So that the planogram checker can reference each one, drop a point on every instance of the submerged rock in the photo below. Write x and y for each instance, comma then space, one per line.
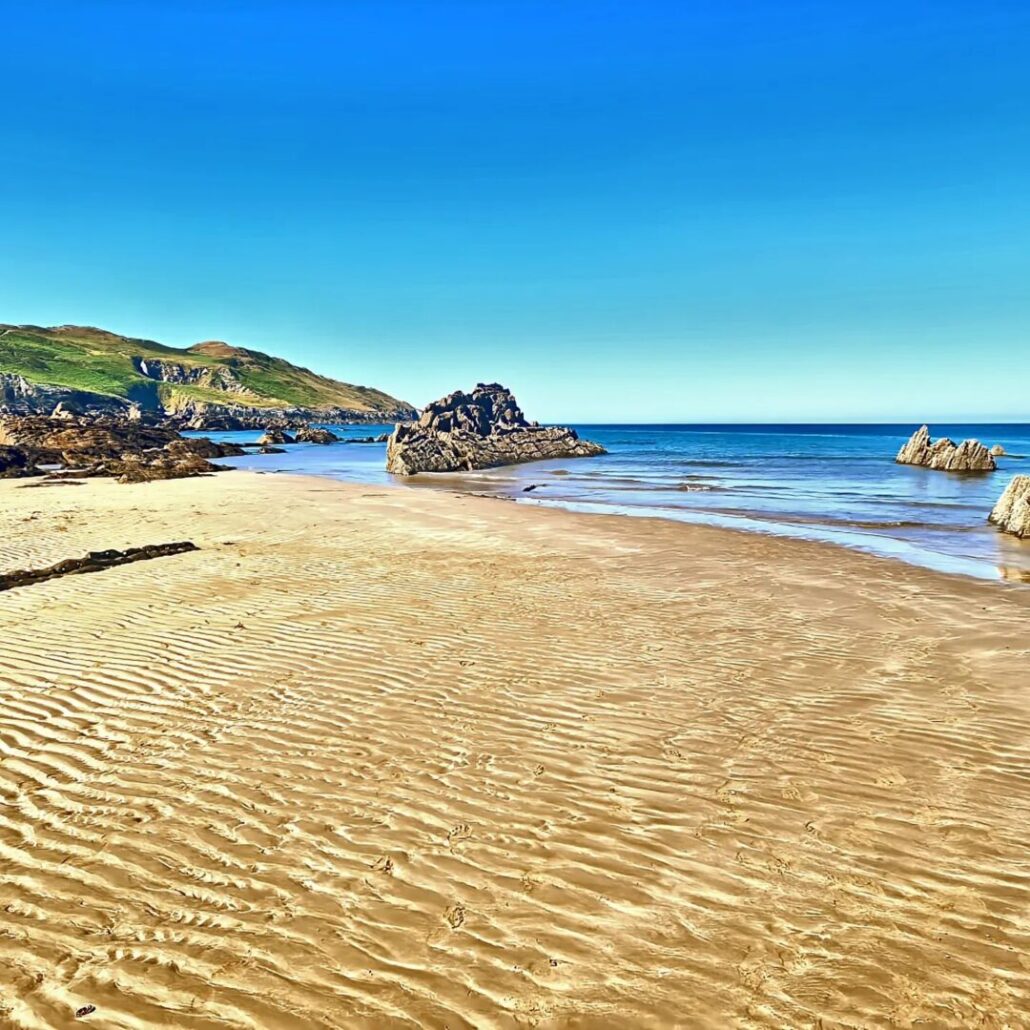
483, 429
1012, 512
944, 454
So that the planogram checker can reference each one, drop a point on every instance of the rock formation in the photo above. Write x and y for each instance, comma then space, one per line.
945, 455
273, 436
997, 451
480, 430
1012, 512
309, 434
103, 446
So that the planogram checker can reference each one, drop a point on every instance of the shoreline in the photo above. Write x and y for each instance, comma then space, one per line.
405, 756
880, 546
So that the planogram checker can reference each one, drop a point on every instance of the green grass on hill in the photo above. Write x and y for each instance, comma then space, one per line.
83, 358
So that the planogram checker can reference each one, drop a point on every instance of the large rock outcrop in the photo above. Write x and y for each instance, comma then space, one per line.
32, 445
478, 430
1012, 512
312, 434
945, 455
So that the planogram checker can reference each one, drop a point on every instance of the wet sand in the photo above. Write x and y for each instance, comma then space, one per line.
380, 757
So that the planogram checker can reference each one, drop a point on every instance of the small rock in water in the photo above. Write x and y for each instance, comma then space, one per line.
945, 455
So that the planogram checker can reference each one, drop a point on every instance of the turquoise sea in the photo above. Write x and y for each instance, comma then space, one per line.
835, 483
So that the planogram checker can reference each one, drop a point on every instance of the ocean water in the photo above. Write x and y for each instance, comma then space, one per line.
835, 483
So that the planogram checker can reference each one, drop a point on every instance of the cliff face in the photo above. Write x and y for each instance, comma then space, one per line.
944, 455
221, 377
209, 385
1012, 512
484, 429
19, 396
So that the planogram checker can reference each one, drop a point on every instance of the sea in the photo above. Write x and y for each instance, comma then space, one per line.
834, 483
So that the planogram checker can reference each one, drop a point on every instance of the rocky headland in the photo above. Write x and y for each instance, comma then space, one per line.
945, 455
1012, 512
209, 386
478, 430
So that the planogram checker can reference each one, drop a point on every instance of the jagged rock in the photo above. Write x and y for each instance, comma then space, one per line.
103, 446
480, 430
133, 469
1012, 512
944, 455
202, 447
309, 434
997, 451
274, 436
101, 437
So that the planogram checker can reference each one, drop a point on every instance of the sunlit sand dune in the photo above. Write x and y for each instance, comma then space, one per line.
400, 758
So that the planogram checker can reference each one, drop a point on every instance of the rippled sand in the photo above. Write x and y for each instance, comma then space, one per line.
398, 758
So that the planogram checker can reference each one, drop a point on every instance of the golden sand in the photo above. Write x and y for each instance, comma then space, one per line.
390, 757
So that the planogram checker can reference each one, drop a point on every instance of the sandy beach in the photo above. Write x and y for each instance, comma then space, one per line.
384, 757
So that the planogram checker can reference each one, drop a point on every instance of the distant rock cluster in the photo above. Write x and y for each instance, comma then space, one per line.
945, 455
1012, 512
478, 430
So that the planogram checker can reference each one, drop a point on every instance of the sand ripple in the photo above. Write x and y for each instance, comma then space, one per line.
406, 759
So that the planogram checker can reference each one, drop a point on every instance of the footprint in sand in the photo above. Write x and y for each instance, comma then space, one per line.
460, 832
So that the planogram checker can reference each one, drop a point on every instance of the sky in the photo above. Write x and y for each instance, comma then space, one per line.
631, 211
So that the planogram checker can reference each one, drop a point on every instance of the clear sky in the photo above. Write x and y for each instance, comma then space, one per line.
648, 211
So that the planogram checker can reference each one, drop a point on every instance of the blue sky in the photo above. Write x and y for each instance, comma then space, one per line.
625, 211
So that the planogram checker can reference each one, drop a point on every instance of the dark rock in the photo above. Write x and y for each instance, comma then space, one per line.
311, 434
202, 447
103, 446
381, 438
480, 430
95, 561
237, 417
272, 435
15, 463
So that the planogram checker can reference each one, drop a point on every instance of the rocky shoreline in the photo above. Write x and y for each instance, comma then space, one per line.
18, 397
76, 447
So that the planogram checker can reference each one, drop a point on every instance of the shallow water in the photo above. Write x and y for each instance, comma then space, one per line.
825, 482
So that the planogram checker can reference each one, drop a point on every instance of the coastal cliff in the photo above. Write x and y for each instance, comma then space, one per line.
210, 385
478, 430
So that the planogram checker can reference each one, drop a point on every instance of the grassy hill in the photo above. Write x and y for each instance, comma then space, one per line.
98, 362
